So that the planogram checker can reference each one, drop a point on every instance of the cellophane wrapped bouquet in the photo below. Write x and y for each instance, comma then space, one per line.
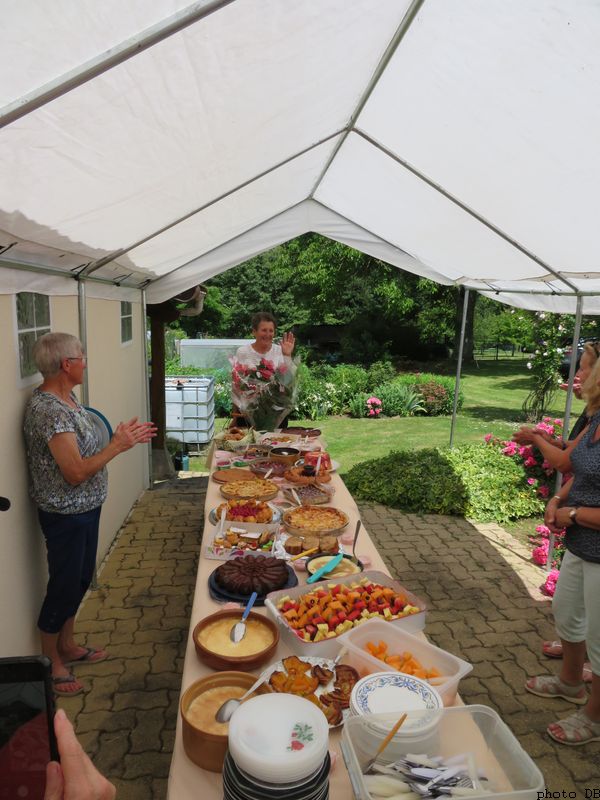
265, 394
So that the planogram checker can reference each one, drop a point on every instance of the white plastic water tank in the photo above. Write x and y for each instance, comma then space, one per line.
190, 409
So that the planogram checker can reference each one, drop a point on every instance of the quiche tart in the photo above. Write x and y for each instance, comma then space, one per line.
315, 519
252, 489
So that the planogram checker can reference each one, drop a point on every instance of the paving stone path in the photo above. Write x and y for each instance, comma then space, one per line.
478, 581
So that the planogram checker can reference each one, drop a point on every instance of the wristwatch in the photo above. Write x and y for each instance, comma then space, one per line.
573, 514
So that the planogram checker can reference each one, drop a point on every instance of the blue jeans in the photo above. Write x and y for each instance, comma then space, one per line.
71, 543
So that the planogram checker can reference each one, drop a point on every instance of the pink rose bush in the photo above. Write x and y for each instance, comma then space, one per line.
373, 407
538, 475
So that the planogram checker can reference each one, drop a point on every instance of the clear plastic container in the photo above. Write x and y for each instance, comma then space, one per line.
474, 730
399, 640
328, 648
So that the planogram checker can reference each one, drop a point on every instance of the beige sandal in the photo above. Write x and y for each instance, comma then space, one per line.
552, 686
578, 729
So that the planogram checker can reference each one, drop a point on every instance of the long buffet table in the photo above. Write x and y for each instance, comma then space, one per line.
188, 781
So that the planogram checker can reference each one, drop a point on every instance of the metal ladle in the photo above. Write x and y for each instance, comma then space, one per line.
225, 712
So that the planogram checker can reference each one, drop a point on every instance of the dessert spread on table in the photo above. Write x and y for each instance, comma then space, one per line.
258, 539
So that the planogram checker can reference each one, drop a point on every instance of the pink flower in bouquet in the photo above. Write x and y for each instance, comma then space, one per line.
546, 464
543, 530
510, 449
488, 437
265, 373
530, 462
558, 422
549, 585
374, 401
543, 491
371, 413
531, 481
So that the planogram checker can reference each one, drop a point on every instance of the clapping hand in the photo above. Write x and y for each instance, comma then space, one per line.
75, 778
288, 341
128, 434
527, 435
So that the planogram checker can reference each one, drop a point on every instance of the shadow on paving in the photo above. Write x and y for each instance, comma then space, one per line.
478, 581
141, 614
481, 591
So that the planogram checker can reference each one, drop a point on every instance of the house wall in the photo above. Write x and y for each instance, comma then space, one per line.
116, 387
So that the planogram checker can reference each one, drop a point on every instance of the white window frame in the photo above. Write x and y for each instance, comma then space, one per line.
36, 377
122, 316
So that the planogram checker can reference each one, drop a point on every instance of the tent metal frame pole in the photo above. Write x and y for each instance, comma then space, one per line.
464, 207
156, 281
85, 393
568, 404
23, 266
146, 377
108, 59
82, 317
101, 262
463, 326
402, 29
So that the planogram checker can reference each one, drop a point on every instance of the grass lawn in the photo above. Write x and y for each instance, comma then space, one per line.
494, 392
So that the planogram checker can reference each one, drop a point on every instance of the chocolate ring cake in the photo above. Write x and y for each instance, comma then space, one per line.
252, 574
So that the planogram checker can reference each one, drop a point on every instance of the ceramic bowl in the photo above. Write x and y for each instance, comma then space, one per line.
346, 567
244, 662
395, 692
285, 454
207, 750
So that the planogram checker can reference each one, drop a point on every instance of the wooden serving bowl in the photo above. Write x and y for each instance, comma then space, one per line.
285, 454
207, 750
251, 661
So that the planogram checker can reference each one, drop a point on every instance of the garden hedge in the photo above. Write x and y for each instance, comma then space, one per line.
472, 480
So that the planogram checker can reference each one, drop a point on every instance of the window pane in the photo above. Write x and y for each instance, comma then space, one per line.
125, 308
25, 317
42, 310
27, 364
126, 329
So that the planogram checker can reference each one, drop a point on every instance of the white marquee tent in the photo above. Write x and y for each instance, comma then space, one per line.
152, 143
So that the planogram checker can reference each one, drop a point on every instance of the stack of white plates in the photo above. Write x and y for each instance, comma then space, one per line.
395, 692
278, 748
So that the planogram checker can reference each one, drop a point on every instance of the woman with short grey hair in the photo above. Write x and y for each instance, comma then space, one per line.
68, 483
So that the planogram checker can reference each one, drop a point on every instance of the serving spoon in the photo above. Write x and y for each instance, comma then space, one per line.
238, 631
225, 712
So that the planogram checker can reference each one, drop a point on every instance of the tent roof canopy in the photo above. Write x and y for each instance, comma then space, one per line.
170, 142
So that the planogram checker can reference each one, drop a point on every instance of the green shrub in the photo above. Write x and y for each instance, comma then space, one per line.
381, 372
357, 407
348, 379
398, 400
416, 481
437, 406
472, 480
317, 397
435, 398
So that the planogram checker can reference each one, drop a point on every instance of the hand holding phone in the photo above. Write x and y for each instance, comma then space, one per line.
27, 741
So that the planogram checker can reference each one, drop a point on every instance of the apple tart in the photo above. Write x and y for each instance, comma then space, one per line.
316, 519
254, 489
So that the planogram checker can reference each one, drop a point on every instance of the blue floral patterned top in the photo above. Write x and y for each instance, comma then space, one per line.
45, 416
585, 491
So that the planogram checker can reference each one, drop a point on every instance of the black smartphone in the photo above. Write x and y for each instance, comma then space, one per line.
27, 740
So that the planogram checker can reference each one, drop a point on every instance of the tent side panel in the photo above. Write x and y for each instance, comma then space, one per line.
116, 388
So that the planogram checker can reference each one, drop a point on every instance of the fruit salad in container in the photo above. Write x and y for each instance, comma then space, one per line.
328, 611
